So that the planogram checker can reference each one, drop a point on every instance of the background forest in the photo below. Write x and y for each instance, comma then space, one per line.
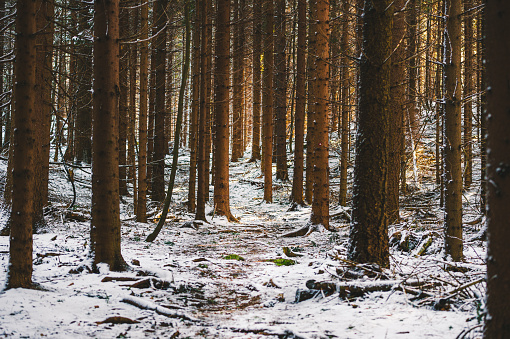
369, 128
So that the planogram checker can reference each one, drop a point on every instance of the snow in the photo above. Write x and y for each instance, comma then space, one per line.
251, 298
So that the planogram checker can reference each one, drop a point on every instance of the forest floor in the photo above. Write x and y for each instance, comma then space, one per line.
236, 280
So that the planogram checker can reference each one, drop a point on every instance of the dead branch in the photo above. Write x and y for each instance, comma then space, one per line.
147, 305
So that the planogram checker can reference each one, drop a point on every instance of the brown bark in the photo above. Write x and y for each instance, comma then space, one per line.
497, 320
311, 100
257, 52
160, 146
280, 92
267, 100
397, 93
320, 203
195, 106
133, 58
369, 225
123, 100
345, 92
44, 55
141, 210
238, 78
105, 224
20, 251
297, 180
221, 110
452, 133
467, 91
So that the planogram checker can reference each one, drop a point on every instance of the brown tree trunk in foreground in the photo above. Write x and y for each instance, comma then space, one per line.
20, 252
452, 133
105, 225
497, 320
468, 90
368, 239
320, 203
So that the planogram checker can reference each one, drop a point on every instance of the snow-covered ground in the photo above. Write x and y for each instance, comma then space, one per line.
190, 288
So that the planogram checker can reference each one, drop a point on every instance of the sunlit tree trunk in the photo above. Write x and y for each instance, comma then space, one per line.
345, 93
221, 110
467, 91
320, 203
105, 225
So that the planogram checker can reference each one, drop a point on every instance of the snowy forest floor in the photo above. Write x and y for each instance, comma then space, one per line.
193, 284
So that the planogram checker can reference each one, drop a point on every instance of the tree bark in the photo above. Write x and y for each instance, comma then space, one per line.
105, 225
20, 251
497, 320
257, 46
368, 239
221, 110
452, 133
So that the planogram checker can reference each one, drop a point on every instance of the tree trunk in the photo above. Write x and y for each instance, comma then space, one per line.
369, 226
497, 320
397, 93
238, 75
20, 251
452, 133
345, 92
257, 46
44, 47
105, 225
297, 180
320, 203
141, 210
280, 92
267, 101
160, 146
123, 101
221, 110
468, 90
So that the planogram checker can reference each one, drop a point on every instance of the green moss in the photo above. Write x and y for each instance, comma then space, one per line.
282, 262
233, 257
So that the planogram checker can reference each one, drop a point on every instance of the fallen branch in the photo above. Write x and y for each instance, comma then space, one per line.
147, 305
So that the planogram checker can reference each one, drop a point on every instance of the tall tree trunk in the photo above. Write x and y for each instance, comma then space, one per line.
497, 320
320, 203
257, 52
178, 125
483, 119
280, 92
20, 251
345, 92
44, 47
133, 62
105, 225
238, 77
267, 101
368, 239
221, 110
297, 180
452, 133
83, 122
195, 106
397, 93
160, 145
468, 90
124, 98
311, 99
141, 210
